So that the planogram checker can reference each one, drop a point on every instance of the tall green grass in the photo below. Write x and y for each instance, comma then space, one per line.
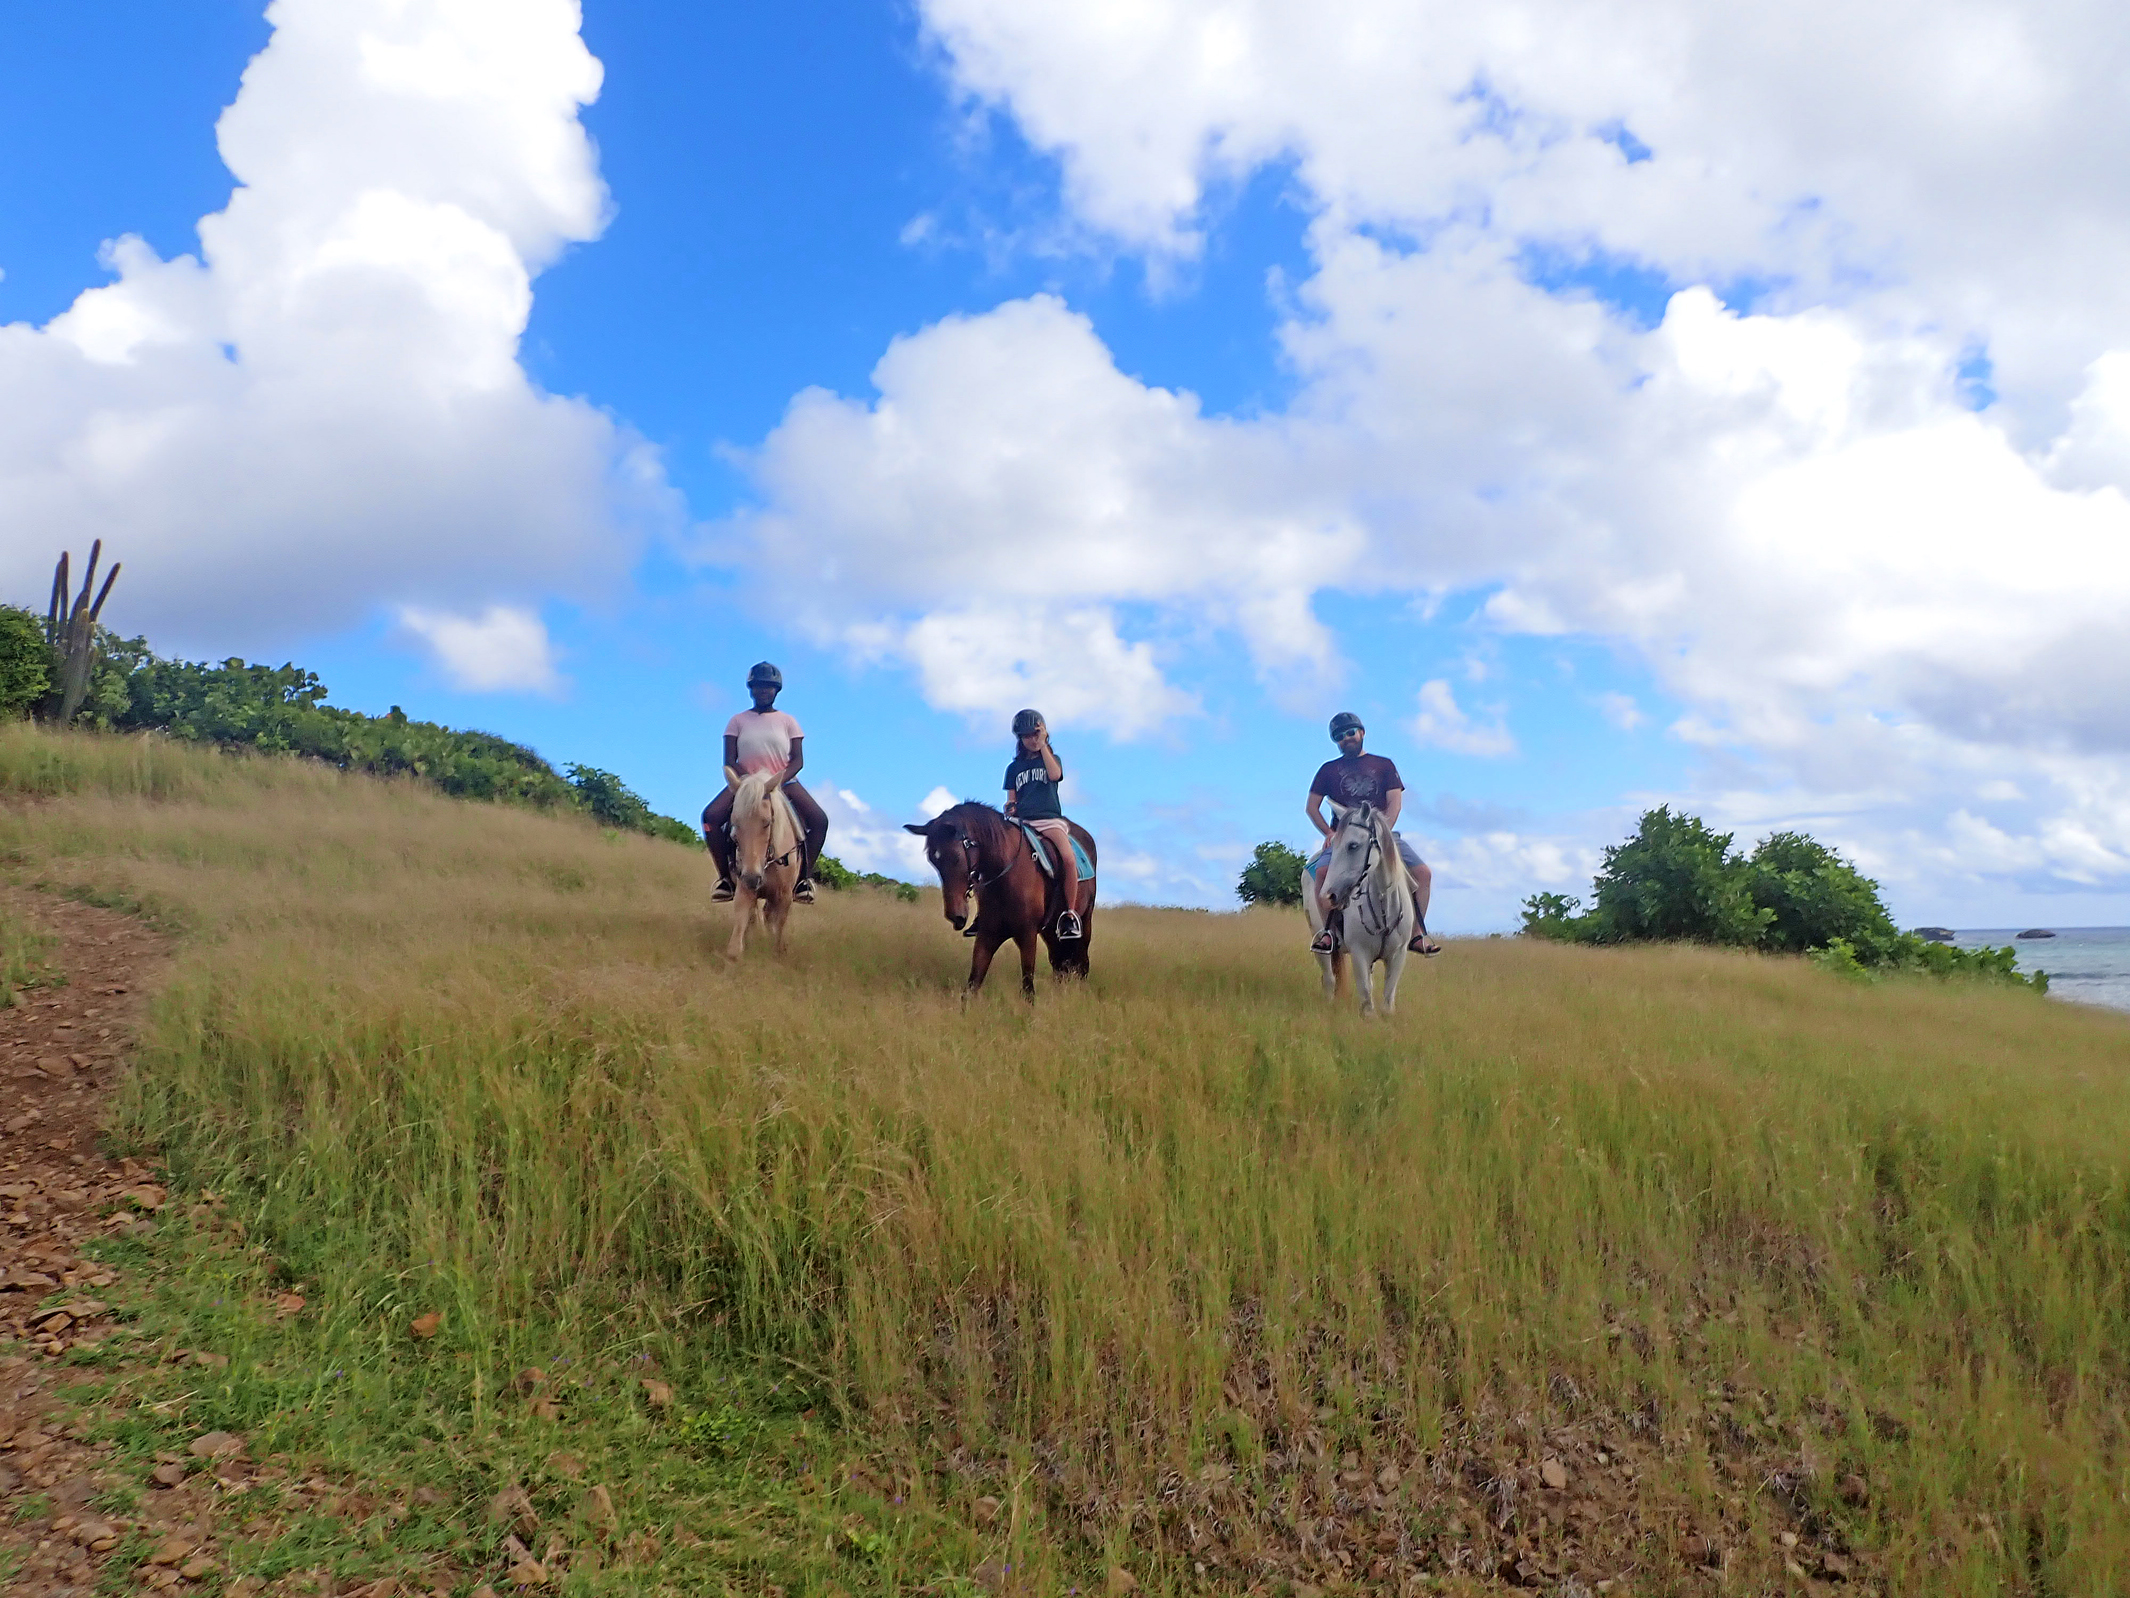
24, 957
480, 1060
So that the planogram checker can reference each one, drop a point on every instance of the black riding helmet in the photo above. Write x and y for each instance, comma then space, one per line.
765, 672
1026, 722
1344, 722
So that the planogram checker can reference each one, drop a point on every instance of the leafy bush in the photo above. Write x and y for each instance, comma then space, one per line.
1553, 915
281, 710
25, 662
1816, 898
830, 872
1273, 876
1676, 880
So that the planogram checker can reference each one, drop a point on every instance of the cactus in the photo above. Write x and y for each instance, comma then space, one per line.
72, 631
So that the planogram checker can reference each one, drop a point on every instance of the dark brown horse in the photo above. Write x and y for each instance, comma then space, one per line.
980, 853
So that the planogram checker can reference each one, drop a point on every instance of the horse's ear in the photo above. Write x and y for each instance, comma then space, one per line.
732, 778
1339, 813
911, 826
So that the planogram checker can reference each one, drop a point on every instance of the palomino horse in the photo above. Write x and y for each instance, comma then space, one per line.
765, 855
1367, 880
979, 852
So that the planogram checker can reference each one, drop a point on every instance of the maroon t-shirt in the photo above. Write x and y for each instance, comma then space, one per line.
1360, 779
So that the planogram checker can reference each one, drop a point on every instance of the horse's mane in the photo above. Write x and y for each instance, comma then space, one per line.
753, 791
983, 822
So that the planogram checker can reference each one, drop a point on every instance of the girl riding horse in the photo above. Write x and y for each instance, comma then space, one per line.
983, 855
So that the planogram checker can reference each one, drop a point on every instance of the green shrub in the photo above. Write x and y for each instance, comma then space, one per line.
1676, 880
1554, 916
830, 872
1273, 876
833, 873
281, 709
1816, 898
25, 662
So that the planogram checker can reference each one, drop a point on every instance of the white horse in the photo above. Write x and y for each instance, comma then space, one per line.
1366, 879
765, 855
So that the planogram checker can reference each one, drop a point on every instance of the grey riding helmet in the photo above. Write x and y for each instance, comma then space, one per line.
1344, 722
1026, 722
765, 672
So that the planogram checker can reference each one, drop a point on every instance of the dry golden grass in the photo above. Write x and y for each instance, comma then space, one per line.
1727, 1212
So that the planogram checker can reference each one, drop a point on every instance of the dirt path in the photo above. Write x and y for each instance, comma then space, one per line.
62, 1049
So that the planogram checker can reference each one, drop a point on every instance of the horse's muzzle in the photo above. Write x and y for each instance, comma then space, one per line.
957, 922
753, 879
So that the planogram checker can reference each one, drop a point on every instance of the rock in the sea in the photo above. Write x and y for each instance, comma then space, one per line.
1935, 934
2037, 932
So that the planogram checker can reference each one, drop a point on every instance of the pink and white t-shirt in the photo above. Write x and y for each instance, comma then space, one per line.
765, 739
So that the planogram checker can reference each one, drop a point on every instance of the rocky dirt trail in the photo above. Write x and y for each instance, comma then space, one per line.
62, 1048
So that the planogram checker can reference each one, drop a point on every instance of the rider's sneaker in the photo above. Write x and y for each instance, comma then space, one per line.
969, 931
1324, 943
804, 892
722, 893
1068, 925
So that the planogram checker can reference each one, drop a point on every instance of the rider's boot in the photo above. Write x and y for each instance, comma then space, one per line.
722, 893
1068, 926
804, 892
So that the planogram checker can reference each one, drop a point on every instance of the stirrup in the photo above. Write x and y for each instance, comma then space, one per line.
804, 892
969, 931
1324, 943
722, 893
1068, 926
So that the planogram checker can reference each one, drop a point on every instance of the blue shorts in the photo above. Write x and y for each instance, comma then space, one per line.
1406, 852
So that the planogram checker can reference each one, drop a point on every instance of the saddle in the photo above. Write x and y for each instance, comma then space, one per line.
1039, 846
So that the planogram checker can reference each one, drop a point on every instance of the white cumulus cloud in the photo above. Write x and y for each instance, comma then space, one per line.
322, 411
502, 648
1441, 721
1873, 599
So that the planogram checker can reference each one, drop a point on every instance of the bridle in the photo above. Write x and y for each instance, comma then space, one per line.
1362, 895
798, 841
972, 860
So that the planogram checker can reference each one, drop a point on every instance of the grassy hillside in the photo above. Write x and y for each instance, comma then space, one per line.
1591, 1264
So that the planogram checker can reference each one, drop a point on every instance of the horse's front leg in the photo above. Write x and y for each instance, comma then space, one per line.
1027, 943
779, 915
743, 903
980, 960
1393, 962
1364, 970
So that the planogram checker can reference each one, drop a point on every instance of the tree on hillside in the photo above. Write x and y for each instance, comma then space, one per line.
25, 663
1273, 876
1675, 880
1813, 896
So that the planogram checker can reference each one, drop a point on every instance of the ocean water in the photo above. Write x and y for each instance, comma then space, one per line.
2087, 965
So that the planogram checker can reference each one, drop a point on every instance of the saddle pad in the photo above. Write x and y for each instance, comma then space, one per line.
1042, 855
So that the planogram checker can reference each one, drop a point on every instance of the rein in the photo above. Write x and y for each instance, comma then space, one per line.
1376, 923
974, 851
798, 840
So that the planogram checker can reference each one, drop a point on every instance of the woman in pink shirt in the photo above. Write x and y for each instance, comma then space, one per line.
765, 739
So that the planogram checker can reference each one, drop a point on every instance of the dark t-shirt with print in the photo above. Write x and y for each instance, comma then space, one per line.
1359, 779
1035, 796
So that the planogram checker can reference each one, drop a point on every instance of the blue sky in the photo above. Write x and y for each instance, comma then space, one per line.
1507, 450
